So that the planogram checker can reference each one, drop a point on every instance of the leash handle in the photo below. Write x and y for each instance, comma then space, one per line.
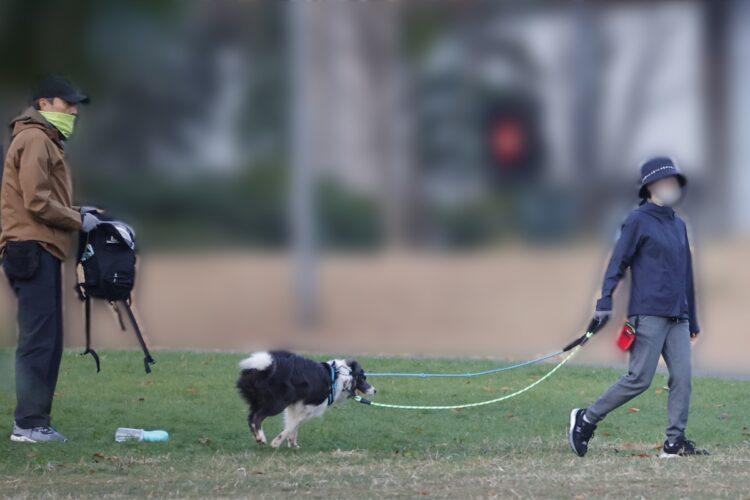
579, 341
594, 326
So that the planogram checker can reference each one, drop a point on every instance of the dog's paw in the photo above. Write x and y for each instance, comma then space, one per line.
278, 441
260, 438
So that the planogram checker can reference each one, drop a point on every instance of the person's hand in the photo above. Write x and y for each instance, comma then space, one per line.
88, 209
89, 222
600, 319
694, 337
602, 315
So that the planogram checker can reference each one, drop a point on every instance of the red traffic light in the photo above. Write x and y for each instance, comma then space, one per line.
508, 143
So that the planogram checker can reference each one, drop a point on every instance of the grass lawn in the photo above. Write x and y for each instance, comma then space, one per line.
517, 448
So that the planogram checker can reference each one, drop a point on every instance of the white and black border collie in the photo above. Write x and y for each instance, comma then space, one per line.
276, 381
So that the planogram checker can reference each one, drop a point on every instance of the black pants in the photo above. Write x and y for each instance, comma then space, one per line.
35, 277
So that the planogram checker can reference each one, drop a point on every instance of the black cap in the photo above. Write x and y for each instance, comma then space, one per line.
57, 86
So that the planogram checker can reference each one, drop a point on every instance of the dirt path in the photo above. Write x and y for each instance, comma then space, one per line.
512, 303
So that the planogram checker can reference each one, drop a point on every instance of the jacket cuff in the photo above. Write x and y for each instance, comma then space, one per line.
604, 304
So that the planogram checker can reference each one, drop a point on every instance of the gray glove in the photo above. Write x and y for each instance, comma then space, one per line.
89, 222
602, 315
599, 320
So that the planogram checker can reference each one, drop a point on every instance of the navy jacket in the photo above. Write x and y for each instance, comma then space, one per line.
654, 244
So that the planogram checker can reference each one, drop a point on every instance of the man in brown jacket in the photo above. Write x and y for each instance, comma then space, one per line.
39, 222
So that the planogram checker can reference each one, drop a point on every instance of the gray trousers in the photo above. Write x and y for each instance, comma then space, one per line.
656, 336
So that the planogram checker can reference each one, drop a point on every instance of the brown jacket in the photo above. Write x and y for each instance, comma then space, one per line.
37, 191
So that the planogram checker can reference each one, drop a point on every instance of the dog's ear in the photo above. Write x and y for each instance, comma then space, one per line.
354, 366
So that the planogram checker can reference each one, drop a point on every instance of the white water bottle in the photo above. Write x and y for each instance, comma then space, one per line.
124, 434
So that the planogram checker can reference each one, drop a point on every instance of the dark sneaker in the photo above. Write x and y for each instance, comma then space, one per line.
579, 432
36, 435
682, 448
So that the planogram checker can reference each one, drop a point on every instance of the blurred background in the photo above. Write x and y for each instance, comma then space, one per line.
412, 178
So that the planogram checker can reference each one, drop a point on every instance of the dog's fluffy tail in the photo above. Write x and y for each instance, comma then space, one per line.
260, 361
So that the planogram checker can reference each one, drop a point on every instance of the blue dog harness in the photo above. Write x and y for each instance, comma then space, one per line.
334, 376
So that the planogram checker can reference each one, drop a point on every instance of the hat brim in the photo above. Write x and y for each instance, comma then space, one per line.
76, 98
643, 191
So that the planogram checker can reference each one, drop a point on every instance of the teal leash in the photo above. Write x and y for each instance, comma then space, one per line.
467, 374
593, 327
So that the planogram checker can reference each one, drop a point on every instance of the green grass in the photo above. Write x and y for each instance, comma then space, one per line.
516, 448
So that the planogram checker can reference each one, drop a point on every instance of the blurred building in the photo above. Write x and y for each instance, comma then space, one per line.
536, 115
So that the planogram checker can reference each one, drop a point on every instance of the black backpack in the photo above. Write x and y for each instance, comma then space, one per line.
107, 257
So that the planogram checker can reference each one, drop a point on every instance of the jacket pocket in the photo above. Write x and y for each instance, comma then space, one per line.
21, 259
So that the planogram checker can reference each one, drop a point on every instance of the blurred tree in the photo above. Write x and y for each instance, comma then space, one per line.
48, 36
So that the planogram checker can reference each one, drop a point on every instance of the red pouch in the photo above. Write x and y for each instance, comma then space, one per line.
627, 337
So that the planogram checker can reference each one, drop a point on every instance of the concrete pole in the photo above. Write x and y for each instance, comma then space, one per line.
584, 87
721, 19
302, 187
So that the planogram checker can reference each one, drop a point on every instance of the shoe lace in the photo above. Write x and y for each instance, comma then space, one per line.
681, 446
587, 431
45, 430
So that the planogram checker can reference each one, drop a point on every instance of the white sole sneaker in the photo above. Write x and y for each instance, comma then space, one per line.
21, 439
571, 426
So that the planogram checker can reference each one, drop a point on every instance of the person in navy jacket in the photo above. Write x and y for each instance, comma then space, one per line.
654, 245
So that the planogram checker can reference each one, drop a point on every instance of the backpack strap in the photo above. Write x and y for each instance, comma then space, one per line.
80, 291
147, 359
89, 350
119, 315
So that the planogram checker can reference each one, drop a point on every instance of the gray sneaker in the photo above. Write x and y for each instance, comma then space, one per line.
36, 435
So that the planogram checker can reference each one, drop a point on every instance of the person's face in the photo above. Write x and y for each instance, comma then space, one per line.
666, 183
665, 191
58, 105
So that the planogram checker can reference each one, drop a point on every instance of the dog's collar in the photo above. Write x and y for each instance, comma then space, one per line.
334, 376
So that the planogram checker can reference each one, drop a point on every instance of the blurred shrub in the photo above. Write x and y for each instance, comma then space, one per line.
209, 210
471, 224
246, 209
547, 214
534, 213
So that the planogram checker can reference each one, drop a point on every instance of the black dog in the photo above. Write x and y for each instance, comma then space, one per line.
276, 381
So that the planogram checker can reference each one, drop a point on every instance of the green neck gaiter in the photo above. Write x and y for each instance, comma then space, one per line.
63, 122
